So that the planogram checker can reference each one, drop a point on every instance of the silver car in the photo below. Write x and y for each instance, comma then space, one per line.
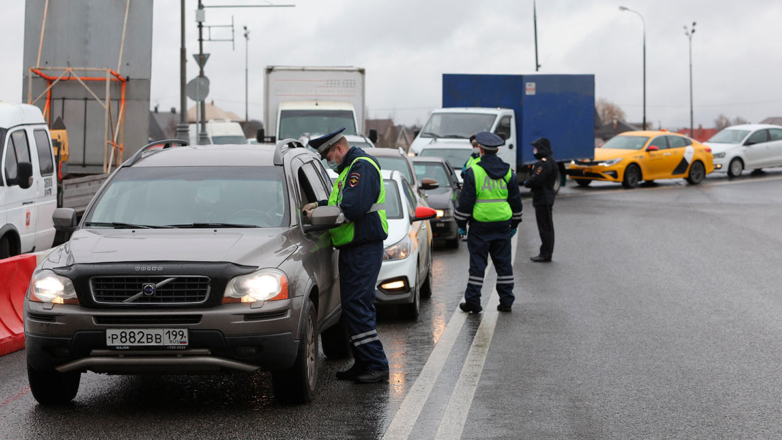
192, 259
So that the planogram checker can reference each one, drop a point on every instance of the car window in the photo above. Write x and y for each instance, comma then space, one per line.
306, 191
318, 185
324, 175
21, 147
457, 157
15, 152
44, 151
775, 134
758, 137
677, 141
396, 164
503, 128
160, 196
659, 142
687, 141
432, 170
411, 200
625, 143
393, 200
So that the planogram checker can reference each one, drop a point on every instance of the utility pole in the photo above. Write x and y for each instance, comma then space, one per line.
535, 24
246, 74
182, 130
622, 8
688, 33
202, 136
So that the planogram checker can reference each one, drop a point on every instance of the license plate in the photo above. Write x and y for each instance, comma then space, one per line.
439, 225
146, 337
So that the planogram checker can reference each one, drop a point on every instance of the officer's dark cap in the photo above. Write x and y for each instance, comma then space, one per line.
541, 143
323, 143
489, 141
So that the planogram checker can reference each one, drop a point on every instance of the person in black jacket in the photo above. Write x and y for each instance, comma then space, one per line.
544, 176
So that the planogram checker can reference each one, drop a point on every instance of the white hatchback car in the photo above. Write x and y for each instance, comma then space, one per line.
406, 274
749, 146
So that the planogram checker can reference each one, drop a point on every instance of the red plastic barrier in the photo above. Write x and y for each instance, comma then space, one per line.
15, 276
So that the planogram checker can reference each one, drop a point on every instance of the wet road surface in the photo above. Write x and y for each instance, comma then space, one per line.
659, 318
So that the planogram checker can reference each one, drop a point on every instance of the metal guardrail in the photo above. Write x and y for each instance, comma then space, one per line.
77, 193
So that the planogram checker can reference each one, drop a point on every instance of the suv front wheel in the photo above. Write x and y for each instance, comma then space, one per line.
298, 384
53, 388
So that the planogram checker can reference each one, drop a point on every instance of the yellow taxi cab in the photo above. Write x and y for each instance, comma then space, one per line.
634, 156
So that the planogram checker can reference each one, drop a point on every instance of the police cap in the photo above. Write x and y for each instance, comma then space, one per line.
489, 141
323, 143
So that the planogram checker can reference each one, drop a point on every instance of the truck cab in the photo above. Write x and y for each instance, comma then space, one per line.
456, 125
28, 183
310, 118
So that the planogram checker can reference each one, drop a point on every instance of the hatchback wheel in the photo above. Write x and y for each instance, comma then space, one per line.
411, 311
298, 384
697, 173
632, 176
426, 288
736, 167
53, 388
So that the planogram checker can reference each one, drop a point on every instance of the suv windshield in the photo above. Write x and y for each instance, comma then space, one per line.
457, 157
294, 123
729, 136
193, 197
457, 125
626, 143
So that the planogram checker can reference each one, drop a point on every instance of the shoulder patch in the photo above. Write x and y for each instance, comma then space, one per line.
354, 178
539, 170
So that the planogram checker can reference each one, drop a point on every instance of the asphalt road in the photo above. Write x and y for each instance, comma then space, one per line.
659, 318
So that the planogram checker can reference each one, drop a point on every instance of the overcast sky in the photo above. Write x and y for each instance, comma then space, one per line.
407, 45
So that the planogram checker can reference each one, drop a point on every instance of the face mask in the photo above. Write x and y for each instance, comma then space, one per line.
333, 165
476, 151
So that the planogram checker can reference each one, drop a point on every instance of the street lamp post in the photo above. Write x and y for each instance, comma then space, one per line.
246, 74
688, 32
622, 8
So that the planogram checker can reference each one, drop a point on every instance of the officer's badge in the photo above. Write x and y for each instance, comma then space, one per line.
354, 178
339, 185
539, 170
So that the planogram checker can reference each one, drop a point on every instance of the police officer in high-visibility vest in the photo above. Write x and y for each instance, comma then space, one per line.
475, 157
360, 193
491, 202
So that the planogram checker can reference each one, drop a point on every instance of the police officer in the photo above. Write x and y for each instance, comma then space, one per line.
491, 202
475, 157
360, 193
544, 176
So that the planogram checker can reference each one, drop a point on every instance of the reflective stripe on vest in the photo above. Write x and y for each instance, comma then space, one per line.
343, 234
491, 204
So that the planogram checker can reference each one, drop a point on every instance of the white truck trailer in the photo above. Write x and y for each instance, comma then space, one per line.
309, 101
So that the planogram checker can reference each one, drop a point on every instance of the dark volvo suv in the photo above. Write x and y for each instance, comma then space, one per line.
192, 259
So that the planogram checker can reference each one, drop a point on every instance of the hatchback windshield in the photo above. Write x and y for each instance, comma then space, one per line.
193, 197
457, 125
729, 137
294, 123
434, 171
457, 157
396, 164
626, 143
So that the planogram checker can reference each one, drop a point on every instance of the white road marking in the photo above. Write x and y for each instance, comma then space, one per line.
452, 423
407, 415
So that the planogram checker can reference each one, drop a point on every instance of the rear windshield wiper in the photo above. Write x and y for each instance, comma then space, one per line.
212, 225
120, 225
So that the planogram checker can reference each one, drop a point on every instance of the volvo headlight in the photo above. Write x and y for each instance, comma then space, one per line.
399, 250
262, 285
47, 286
611, 162
719, 155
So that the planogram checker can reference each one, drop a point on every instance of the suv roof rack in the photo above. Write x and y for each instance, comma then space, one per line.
168, 143
285, 144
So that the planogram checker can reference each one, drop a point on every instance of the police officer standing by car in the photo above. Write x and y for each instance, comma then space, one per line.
491, 202
360, 193
544, 176
475, 156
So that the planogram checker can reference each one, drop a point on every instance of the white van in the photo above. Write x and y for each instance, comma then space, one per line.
220, 132
28, 183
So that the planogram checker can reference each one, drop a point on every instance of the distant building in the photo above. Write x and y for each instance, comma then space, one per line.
701, 134
212, 112
163, 125
613, 128
390, 135
774, 120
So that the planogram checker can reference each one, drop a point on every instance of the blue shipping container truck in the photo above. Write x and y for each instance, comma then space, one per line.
558, 107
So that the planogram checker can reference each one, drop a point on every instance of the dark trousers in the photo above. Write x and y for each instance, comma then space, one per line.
544, 216
359, 267
482, 242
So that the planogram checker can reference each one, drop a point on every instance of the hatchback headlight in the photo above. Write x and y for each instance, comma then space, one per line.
611, 162
719, 155
399, 250
47, 286
262, 285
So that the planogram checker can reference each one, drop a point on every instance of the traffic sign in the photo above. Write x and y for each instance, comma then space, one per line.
198, 88
199, 58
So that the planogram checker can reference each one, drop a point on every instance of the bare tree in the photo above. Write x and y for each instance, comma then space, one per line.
738, 120
608, 111
722, 122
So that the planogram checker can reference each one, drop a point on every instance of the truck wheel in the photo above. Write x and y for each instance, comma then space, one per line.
298, 385
697, 173
583, 183
411, 311
336, 341
5, 247
632, 176
53, 388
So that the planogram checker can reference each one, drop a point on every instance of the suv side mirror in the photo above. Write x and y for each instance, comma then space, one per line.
325, 217
427, 183
24, 174
373, 135
424, 213
64, 219
259, 135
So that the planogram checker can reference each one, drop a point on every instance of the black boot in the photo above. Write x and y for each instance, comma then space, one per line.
352, 372
469, 308
504, 308
540, 259
372, 376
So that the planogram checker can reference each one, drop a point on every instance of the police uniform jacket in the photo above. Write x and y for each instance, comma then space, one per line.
360, 191
495, 169
544, 175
